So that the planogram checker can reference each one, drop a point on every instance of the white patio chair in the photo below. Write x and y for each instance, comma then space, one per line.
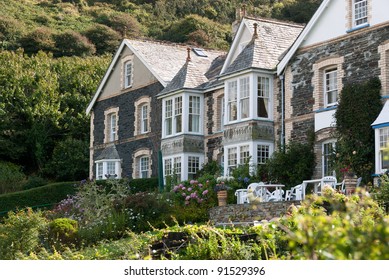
275, 195
254, 193
341, 187
327, 180
295, 193
241, 196
359, 180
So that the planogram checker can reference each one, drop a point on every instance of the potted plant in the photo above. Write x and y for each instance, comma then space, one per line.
350, 179
221, 192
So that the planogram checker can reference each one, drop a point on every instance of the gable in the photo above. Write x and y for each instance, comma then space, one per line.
142, 76
333, 19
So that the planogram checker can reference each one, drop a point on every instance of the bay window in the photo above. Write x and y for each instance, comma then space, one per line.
328, 149
106, 169
193, 166
263, 153
232, 100
182, 114
244, 97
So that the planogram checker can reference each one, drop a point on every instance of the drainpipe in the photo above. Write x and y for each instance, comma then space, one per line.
282, 140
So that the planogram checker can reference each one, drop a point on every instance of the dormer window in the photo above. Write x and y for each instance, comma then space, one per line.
360, 10
128, 74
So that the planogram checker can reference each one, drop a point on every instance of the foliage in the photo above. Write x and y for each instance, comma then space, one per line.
34, 182
212, 244
40, 197
289, 167
20, 232
69, 161
194, 192
381, 193
71, 43
359, 105
105, 39
39, 39
42, 100
62, 232
11, 177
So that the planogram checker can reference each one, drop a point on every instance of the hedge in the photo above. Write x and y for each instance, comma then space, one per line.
41, 197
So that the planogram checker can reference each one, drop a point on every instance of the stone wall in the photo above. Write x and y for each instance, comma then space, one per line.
249, 212
128, 142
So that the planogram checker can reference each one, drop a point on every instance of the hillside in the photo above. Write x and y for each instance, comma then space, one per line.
88, 27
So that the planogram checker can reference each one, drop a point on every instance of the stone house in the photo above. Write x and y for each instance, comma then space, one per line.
278, 81
345, 42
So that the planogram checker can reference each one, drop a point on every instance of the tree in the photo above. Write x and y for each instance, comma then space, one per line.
71, 43
104, 38
359, 105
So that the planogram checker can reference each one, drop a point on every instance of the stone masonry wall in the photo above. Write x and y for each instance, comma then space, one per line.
127, 142
250, 212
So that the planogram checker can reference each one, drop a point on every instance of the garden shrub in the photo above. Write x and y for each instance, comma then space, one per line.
34, 182
71, 43
11, 177
63, 232
359, 105
104, 38
41, 197
21, 232
291, 166
40, 39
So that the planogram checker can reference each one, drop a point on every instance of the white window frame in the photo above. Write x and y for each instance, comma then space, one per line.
264, 94
144, 167
144, 120
383, 146
111, 125
263, 156
242, 152
244, 96
104, 166
180, 165
330, 83
193, 166
179, 110
326, 156
128, 73
360, 11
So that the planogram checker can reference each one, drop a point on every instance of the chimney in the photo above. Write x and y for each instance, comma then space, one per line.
188, 56
255, 35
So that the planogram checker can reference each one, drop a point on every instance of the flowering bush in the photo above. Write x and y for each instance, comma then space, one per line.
195, 192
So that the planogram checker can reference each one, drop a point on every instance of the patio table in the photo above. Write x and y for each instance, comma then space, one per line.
266, 188
315, 183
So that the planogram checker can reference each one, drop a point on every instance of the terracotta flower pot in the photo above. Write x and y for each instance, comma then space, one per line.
350, 181
222, 198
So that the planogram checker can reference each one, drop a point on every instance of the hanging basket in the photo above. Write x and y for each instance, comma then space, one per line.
222, 198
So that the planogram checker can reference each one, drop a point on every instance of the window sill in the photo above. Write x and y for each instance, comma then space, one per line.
358, 27
326, 109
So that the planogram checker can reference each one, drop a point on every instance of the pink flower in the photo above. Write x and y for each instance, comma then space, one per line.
205, 192
192, 182
187, 198
189, 189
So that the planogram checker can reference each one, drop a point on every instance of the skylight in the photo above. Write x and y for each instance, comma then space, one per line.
199, 52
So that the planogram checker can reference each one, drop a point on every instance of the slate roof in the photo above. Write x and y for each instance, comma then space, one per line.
109, 152
167, 60
264, 51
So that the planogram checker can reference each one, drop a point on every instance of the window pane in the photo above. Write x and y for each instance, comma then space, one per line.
232, 100
263, 97
232, 158
128, 74
144, 119
99, 174
194, 114
331, 87
111, 168
112, 126
193, 166
168, 117
360, 12
168, 167
244, 154
144, 167
244, 98
328, 150
178, 113
177, 167
263, 153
